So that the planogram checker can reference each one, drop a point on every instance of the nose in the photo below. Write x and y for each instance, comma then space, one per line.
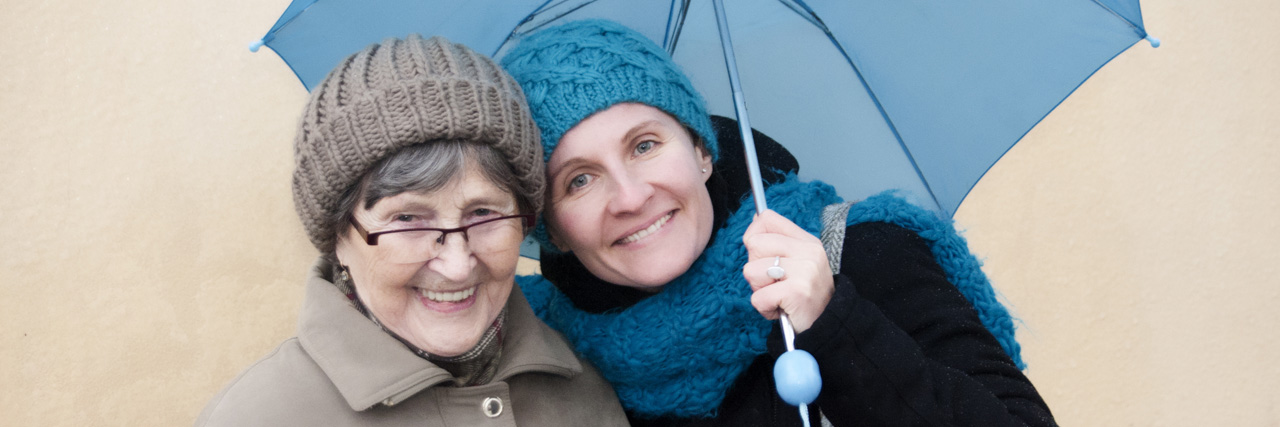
455, 260
632, 191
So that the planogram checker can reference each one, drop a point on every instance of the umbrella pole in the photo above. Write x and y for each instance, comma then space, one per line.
796, 373
740, 109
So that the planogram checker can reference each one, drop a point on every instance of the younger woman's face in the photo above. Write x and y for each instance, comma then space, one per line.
628, 196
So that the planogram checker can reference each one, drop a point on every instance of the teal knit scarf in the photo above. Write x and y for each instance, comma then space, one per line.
678, 352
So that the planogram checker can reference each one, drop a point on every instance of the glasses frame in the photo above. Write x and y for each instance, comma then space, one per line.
372, 238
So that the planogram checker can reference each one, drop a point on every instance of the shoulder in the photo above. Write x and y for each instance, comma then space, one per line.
887, 228
895, 268
283, 388
881, 242
882, 232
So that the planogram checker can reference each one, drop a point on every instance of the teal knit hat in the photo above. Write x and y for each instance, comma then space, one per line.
572, 71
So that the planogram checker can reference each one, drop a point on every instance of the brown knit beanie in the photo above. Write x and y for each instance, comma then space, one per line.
400, 93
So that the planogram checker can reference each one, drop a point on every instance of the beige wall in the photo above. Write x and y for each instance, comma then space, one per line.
149, 250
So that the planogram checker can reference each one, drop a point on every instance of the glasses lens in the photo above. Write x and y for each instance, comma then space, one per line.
409, 247
495, 236
417, 246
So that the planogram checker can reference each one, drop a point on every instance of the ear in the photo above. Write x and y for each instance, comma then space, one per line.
705, 163
341, 249
342, 246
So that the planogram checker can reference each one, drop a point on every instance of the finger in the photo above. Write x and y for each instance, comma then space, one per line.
767, 302
757, 273
769, 245
786, 297
810, 255
755, 226
797, 272
774, 222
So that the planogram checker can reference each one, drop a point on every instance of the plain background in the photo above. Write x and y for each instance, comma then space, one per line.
149, 250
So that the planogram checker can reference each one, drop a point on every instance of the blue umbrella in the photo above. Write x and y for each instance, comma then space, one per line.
920, 96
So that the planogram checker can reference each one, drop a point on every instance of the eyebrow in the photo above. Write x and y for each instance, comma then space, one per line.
388, 205
641, 128
637, 130
496, 197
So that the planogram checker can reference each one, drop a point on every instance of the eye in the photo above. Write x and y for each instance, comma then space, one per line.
579, 181
406, 220
644, 147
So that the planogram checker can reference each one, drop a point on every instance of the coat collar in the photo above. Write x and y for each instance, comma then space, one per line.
368, 366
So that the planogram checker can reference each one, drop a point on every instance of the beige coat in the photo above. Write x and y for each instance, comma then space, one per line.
342, 370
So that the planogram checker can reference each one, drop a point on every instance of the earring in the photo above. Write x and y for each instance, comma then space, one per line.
704, 170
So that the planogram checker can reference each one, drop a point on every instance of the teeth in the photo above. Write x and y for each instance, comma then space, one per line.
448, 296
647, 231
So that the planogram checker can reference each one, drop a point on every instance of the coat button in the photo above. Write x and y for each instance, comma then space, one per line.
492, 407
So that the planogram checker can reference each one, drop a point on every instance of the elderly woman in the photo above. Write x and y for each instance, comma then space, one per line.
666, 278
416, 177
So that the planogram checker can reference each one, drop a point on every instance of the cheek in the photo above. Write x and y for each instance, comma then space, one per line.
571, 224
502, 264
377, 283
382, 285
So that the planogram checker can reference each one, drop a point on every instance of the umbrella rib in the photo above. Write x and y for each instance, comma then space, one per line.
1142, 32
271, 34
806, 15
876, 100
672, 36
517, 30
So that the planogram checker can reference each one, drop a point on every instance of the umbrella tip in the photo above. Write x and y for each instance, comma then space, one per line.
257, 44
1155, 42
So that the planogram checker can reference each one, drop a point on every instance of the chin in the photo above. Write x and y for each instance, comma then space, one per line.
445, 337
649, 285
650, 279
451, 349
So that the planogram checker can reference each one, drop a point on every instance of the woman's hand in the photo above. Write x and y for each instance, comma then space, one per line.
805, 289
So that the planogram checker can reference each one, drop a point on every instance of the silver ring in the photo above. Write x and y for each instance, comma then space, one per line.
776, 272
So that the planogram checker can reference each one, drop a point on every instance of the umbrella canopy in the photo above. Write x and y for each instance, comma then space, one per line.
921, 96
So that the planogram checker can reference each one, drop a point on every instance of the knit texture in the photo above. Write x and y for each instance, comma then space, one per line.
678, 352
572, 71
952, 253
400, 93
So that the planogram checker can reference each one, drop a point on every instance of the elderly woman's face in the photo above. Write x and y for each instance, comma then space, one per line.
444, 304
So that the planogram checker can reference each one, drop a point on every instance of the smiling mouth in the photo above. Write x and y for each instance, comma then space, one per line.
648, 230
447, 296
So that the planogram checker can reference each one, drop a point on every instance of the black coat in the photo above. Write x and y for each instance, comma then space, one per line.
898, 345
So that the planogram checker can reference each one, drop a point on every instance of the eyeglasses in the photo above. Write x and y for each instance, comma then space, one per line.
416, 245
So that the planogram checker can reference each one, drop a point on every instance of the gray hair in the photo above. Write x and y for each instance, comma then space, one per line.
425, 168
